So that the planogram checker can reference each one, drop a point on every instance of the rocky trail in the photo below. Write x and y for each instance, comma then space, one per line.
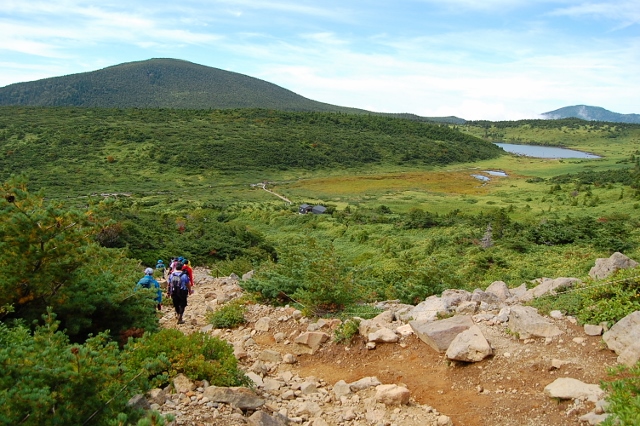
302, 377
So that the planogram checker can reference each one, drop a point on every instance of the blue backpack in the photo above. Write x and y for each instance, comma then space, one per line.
178, 281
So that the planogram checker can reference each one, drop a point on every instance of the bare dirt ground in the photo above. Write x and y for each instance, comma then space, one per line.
505, 389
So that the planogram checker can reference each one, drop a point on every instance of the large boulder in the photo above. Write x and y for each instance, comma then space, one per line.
526, 321
469, 346
608, 266
242, 398
392, 395
499, 289
568, 388
425, 311
439, 334
309, 342
624, 338
549, 286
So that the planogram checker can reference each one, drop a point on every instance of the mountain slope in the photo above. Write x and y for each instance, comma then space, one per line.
96, 149
168, 83
591, 113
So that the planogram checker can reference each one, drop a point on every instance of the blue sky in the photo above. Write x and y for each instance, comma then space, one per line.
475, 59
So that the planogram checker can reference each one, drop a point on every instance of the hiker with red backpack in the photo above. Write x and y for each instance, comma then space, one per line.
179, 288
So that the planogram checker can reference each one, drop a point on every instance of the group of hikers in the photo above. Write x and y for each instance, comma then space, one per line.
179, 277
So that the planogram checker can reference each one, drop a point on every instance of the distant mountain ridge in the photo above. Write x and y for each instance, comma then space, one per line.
169, 83
591, 113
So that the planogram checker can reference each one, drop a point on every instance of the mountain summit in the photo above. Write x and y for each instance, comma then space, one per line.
159, 83
591, 113
174, 84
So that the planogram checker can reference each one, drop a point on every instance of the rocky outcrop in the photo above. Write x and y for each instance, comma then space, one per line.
439, 334
606, 267
469, 346
526, 322
568, 388
624, 339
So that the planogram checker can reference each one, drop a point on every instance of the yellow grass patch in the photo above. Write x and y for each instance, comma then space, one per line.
445, 182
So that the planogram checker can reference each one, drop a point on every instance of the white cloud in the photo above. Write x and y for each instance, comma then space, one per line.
625, 11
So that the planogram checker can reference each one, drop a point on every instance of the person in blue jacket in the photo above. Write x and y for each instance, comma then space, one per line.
160, 267
148, 281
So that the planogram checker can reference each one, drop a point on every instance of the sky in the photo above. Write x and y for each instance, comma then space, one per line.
474, 59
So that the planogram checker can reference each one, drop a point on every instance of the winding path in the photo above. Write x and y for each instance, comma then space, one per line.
264, 186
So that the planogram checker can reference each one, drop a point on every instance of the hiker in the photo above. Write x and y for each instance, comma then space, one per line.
160, 267
187, 268
179, 287
147, 281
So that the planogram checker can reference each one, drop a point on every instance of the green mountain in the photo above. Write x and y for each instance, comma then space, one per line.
591, 113
168, 83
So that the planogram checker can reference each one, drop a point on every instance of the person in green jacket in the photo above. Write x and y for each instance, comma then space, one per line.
148, 282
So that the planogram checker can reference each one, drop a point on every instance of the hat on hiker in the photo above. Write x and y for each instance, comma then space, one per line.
160, 261
148, 271
181, 259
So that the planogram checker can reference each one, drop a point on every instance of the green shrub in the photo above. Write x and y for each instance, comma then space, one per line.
345, 332
46, 380
228, 316
50, 260
197, 356
623, 396
310, 273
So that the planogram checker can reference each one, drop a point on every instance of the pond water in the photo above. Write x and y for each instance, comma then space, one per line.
495, 173
544, 151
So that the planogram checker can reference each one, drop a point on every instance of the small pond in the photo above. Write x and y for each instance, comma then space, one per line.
544, 151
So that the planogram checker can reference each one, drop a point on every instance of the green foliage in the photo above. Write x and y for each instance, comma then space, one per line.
623, 396
66, 148
198, 356
345, 331
311, 273
593, 303
48, 381
230, 315
50, 260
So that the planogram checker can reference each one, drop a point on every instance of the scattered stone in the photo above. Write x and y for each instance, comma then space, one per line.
263, 324
289, 359
364, 383
157, 396
270, 356
568, 388
606, 267
341, 388
469, 346
260, 418
593, 418
526, 321
139, 401
499, 289
556, 315
426, 311
310, 341
241, 398
392, 394
383, 335
182, 384
439, 334
623, 337
592, 330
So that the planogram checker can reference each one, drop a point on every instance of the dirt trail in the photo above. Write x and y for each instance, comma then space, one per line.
505, 389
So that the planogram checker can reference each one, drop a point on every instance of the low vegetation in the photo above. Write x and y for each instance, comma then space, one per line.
405, 220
